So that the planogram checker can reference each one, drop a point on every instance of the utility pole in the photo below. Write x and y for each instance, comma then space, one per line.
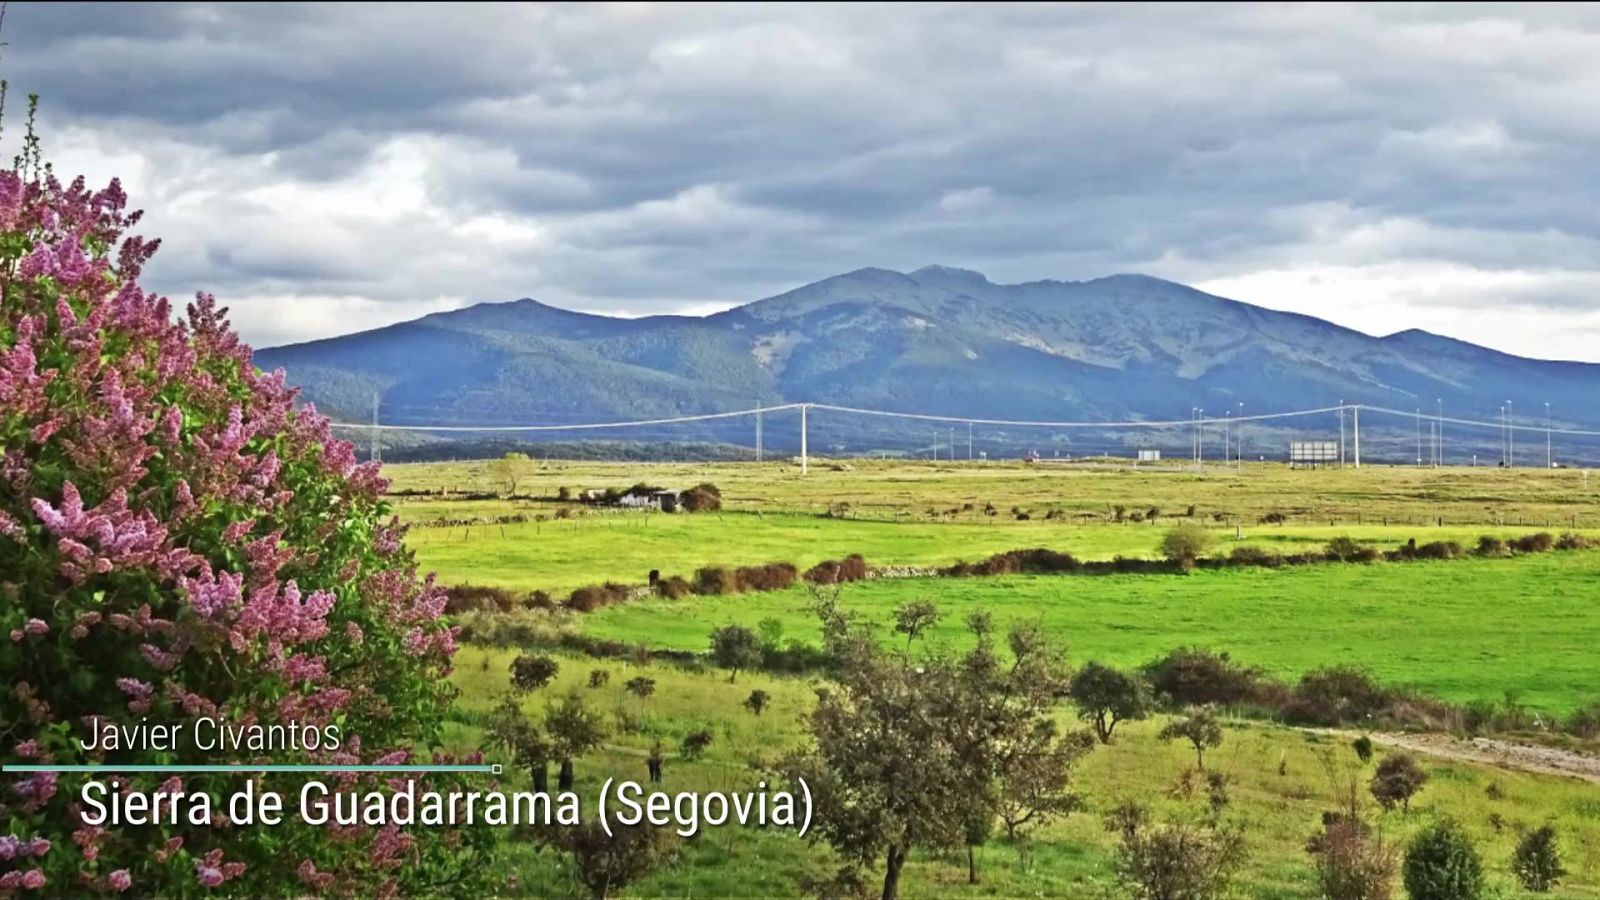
1419, 437
1549, 462
969, 442
1227, 435
758, 436
376, 453
1355, 422
1511, 439
1200, 439
1341, 434
1439, 437
1240, 448
804, 462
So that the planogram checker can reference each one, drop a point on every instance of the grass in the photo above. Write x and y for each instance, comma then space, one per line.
1459, 495
1462, 629
560, 556
1280, 782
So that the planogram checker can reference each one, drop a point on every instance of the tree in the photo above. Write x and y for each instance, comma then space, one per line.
179, 537
1537, 860
1035, 784
529, 673
1442, 864
1176, 861
1184, 544
1397, 780
757, 701
606, 863
1106, 696
574, 730
1200, 728
905, 751
975, 831
509, 471
913, 618
735, 647
641, 686
511, 731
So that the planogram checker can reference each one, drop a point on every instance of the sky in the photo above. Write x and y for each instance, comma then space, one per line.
327, 169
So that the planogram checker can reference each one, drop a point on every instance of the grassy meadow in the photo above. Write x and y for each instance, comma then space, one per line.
1463, 630
1281, 780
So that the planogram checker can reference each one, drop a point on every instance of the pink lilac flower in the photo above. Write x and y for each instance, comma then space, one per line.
120, 880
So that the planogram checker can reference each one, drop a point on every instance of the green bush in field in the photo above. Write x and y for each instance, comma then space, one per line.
1185, 544
1537, 860
1397, 780
1442, 864
1107, 696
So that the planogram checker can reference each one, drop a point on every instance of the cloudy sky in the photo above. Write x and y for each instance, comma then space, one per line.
329, 169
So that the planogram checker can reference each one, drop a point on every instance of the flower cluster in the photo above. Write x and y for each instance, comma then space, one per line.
179, 537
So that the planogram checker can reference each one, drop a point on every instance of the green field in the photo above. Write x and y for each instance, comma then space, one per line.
1462, 629
1471, 629
1068, 858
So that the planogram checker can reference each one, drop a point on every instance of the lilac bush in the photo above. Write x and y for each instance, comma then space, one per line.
177, 539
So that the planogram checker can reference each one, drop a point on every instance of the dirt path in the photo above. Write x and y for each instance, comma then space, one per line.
1488, 751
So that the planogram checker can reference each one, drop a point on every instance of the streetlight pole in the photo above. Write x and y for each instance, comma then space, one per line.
1419, 438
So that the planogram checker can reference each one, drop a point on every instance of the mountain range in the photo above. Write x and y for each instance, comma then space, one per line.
937, 340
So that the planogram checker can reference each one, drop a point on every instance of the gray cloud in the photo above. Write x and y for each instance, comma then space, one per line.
337, 167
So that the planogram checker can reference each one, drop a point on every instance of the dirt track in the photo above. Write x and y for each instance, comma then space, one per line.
1505, 754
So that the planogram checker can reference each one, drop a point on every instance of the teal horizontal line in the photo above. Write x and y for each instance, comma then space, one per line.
231, 767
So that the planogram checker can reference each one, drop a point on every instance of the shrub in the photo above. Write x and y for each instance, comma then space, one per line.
1334, 696
1038, 561
695, 744
1585, 721
1397, 780
1489, 545
472, 598
715, 580
1363, 747
1431, 550
598, 596
641, 686
1250, 555
1175, 860
1191, 676
1345, 549
838, 571
599, 678
702, 497
1573, 541
1442, 864
605, 863
178, 538
1351, 862
1186, 543
757, 701
1537, 860
1543, 542
675, 587
529, 673
770, 577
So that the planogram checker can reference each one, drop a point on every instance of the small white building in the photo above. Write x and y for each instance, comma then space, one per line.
1149, 456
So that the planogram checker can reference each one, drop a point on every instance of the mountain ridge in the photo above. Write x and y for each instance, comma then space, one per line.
937, 339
